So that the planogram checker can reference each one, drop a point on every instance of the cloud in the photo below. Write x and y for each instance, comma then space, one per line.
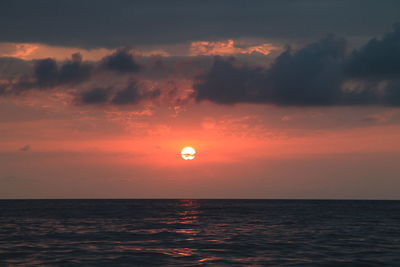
121, 61
95, 96
229, 82
392, 90
74, 71
11, 68
320, 74
21, 50
31, 51
379, 58
48, 74
228, 48
310, 76
133, 95
129, 95
97, 23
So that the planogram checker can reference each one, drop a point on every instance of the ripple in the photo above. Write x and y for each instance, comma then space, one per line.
199, 232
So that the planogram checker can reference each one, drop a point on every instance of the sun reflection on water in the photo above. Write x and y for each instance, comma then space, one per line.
187, 215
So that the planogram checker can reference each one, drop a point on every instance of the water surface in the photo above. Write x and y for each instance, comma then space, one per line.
199, 232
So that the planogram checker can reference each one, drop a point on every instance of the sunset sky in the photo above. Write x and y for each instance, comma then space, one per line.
280, 99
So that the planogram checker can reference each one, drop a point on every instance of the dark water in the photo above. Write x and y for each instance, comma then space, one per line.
199, 232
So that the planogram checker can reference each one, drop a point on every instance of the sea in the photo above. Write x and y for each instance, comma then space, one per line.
197, 232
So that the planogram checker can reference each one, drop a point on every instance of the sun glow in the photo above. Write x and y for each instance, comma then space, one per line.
188, 153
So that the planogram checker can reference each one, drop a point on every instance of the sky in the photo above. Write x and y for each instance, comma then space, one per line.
293, 99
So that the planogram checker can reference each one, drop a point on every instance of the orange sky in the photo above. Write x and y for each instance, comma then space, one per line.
89, 152
52, 146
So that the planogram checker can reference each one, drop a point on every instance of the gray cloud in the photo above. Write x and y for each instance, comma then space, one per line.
95, 96
319, 74
315, 75
128, 95
310, 76
121, 61
47, 73
131, 94
11, 67
102, 23
379, 58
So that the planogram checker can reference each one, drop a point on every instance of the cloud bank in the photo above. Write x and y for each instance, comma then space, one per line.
320, 74
323, 73
102, 23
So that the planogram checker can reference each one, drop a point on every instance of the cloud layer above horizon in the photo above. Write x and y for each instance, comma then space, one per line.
321, 73
269, 52
112, 24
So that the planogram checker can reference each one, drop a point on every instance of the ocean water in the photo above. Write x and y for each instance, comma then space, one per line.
199, 232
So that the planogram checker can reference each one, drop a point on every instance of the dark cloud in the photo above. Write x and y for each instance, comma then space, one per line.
47, 73
310, 76
121, 61
74, 71
96, 96
316, 75
378, 58
229, 82
392, 96
102, 23
319, 74
131, 94
11, 67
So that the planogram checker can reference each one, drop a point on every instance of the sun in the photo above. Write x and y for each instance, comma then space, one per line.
188, 153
